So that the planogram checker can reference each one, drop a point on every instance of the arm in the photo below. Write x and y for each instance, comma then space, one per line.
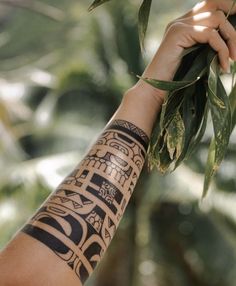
67, 237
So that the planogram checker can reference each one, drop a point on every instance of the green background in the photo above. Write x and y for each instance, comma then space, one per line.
62, 74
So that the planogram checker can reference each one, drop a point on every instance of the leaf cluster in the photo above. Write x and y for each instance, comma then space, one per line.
195, 92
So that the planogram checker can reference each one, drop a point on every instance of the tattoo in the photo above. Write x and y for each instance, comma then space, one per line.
80, 218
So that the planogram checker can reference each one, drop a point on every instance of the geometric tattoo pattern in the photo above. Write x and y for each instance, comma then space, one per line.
78, 221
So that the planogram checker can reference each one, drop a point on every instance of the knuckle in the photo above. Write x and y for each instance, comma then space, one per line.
211, 4
170, 24
220, 16
176, 27
213, 33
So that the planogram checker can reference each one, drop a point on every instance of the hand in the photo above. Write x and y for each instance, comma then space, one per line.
205, 23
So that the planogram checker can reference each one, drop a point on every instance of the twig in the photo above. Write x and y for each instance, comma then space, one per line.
233, 4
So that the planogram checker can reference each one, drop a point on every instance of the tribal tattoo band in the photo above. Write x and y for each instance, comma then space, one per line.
78, 221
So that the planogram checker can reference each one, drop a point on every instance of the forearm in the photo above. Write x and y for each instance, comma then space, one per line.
65, 240
79, 219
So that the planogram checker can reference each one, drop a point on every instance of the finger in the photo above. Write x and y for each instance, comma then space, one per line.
191, 35
226, 6
229, 34
212, 37
216, 20
211, 5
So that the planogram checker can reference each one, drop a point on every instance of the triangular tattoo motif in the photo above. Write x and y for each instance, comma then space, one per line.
69, 193
110, 223
71, 264
76, 205
85, 201
107, 234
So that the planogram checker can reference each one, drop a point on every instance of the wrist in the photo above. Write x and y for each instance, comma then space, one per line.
140, 106
147, 94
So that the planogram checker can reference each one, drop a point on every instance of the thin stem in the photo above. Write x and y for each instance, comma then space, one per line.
229, 12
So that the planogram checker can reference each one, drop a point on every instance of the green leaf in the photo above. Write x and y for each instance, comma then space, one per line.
168, 85
163, 160
194, 113
221, 117
209, 171
175, 136
200, 133
232, 100
175, 98
143, 17
190, 50
97, 3
195, 90
220, 111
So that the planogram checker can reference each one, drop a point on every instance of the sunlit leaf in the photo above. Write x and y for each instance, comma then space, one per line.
143, 17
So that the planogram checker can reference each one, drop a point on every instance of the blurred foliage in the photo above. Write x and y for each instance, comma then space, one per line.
60, 80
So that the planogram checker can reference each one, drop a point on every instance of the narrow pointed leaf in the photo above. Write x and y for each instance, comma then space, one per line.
220, 111
209, 171
143, 17
194, 113
175, 137
232, 99
168, 85
200, 133
221, 117
97, 3
175, 98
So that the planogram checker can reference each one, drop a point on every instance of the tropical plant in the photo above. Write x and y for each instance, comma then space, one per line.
183, 119
60, 82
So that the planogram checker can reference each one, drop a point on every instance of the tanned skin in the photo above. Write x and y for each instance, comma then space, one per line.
67, 237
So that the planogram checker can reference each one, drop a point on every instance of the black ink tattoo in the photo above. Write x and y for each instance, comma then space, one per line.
80, 218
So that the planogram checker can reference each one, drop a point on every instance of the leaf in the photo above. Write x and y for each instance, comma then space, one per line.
194, 113
195, 90
209, 171
174, 99
143, 17
168, 85
175, 136
200, 133
221, 117
96, 3
190, 50
164, 161
232, 100
232, 20
220, 111
196, 71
